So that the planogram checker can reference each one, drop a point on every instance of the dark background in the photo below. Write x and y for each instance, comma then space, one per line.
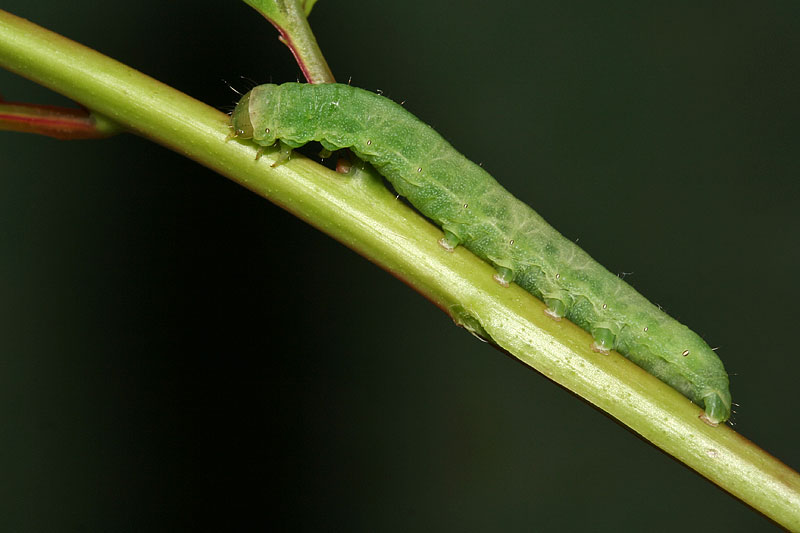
176, 352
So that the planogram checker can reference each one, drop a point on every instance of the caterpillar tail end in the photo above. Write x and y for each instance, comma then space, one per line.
717, 410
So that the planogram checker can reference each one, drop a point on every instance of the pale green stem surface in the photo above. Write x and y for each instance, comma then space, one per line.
369, 219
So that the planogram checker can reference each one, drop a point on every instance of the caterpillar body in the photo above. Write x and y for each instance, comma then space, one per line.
473, 209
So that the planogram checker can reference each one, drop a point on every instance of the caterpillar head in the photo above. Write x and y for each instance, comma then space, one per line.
252, 117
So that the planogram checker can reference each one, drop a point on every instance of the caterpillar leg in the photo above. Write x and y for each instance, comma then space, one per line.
329, 148
716, 410
603, 340
284, 153
504, 276
449, 241
556, 309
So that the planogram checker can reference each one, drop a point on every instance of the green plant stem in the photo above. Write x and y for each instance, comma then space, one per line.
289, 18
366, 217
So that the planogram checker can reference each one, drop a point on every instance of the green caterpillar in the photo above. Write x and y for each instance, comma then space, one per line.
474, 210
